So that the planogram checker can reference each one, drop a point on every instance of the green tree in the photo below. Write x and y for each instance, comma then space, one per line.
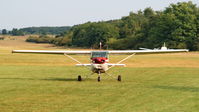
176, 26
4, 32
16, 32
149, 12
91, 34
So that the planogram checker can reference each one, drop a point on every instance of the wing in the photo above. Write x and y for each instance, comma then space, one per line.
51, 52
110, 52
147, 51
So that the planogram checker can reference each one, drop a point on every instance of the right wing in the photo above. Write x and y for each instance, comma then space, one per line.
146, 51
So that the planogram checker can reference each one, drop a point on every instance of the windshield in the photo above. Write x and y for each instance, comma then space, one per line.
95, 54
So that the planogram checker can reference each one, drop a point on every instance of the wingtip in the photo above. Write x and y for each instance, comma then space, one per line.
13, 51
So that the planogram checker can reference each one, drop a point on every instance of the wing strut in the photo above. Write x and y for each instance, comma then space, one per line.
122, 60
72, 58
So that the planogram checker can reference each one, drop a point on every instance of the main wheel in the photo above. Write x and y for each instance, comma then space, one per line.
98, 79
119, 78
79, 78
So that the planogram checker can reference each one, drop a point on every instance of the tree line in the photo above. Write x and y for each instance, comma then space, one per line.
36, 30
45, 30
14, 32
177, 25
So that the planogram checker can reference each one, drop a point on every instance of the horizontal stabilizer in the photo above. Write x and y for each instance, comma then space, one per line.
109, 64
83, 64
116, 64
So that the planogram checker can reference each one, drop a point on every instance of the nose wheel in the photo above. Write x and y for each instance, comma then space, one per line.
98, 79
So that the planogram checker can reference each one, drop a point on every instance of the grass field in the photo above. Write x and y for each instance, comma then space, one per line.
47, 83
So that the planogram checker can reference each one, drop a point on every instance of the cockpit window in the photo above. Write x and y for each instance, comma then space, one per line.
95, 54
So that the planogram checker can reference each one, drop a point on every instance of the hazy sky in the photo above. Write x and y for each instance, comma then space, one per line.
27, 13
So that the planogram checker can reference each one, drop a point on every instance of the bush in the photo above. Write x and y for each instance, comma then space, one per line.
40, 39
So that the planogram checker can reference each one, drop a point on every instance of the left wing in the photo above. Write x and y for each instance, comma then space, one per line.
51, 52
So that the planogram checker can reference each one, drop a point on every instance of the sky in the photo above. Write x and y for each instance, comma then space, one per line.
28, 13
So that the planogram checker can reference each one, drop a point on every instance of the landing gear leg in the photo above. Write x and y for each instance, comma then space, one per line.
110, 75
119, 78
89, 75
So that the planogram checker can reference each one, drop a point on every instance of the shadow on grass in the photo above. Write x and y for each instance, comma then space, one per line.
179, 88
47, 79
69, 79
60, 79
18, 79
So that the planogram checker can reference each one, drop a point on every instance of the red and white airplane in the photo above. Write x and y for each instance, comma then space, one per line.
100, 59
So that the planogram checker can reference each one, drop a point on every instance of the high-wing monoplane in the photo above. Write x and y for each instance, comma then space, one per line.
100, 59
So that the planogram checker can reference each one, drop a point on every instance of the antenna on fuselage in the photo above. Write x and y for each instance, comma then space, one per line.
100, 45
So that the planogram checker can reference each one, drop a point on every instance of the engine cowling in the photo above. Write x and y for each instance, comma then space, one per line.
99, 60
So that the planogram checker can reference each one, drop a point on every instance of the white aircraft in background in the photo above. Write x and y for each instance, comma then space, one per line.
100, 59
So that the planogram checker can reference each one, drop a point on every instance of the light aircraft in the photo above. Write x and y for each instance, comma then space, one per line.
100, 59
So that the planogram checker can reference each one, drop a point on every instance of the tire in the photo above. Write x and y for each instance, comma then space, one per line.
98, 79
79, 78
119, 78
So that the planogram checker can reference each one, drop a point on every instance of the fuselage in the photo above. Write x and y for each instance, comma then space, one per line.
99, 60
